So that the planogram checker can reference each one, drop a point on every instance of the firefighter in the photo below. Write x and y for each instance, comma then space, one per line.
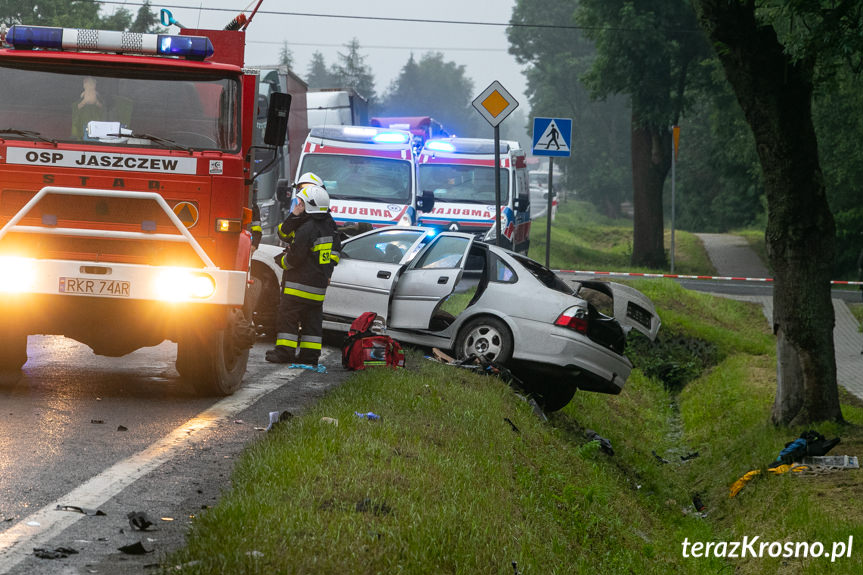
308, 260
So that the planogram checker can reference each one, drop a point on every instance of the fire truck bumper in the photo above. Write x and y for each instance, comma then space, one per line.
119, 281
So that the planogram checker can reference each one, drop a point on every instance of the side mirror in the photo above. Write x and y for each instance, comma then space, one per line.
283, 192
425, 203
277, 119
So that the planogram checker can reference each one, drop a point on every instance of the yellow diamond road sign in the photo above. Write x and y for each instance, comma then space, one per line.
495, 103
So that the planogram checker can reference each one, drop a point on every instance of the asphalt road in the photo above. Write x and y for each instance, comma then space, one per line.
61, 443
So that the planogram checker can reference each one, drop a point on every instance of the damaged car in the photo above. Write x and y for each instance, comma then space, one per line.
451, 291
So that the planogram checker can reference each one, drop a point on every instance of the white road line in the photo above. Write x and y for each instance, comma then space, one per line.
35, 530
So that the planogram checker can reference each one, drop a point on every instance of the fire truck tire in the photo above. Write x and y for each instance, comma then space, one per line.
212, 362
13, 352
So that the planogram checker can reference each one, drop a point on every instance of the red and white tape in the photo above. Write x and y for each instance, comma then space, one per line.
685, 277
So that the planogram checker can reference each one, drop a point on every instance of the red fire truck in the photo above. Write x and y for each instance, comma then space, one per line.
125, 174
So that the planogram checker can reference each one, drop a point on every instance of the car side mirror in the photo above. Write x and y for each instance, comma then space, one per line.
425, 203
277, 119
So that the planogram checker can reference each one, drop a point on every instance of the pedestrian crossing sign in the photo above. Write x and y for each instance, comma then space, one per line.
552, 137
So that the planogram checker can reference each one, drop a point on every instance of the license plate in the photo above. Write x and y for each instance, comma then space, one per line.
97, 287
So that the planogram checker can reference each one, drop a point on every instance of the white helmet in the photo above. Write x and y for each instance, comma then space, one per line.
309, 178
316, 199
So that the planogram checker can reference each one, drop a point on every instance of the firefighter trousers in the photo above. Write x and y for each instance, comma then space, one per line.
300, 328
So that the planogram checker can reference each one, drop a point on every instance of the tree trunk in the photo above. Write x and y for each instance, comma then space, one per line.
775, 94
651, 160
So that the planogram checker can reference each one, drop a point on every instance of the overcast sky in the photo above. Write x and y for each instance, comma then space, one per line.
387, 45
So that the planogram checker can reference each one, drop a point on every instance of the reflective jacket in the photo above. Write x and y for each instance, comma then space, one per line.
310, 256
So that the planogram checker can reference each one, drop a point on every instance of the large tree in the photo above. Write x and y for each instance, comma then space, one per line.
772, 73
647, 50
436, 88
74, 13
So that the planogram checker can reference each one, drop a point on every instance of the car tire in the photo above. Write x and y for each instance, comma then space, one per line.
13, 351
551, 395
485, 336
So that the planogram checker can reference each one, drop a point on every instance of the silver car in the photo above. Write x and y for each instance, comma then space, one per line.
451, 291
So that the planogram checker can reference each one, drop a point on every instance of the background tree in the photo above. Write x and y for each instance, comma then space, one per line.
646, 49
433, 87
74, 13
146, 21
286, 57
772, 67
318, 75
351, 71
556, 58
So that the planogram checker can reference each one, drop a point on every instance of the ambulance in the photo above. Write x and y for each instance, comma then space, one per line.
369, 173
460, 174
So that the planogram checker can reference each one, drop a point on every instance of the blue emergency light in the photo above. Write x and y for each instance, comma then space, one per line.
390, 138
30, 37
438, 146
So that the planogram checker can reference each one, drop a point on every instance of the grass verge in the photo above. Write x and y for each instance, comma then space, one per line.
461, 476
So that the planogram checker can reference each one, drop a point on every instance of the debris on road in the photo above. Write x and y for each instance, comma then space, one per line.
134, 549
330, 420
139, 520
56, 553
604, 443
85, 511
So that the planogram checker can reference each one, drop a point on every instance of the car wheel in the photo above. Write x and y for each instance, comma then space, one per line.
487, 337
13, 351
553, 396
214, 361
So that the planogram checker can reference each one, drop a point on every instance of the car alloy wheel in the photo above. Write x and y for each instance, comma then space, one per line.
486, 337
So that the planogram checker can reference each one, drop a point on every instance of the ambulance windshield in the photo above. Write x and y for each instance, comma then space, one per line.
362, 178
463, 183
125, 108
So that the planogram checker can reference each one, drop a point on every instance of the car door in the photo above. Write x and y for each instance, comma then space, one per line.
428, 280
368, 267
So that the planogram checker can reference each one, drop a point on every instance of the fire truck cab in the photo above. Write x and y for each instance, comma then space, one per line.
125, 174
369, 173
460, 173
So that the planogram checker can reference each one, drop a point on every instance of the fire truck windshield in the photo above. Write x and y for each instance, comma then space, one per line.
362, 177
86, 104
463, 183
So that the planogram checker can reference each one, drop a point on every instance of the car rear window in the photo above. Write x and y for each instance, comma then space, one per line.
548, 278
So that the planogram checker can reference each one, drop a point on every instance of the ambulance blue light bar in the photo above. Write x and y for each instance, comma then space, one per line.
30, 37
438, 146
390, 138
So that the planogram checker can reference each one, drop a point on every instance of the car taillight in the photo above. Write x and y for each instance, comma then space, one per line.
573, 318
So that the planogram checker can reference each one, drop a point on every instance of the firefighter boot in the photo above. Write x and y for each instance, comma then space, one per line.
281, 354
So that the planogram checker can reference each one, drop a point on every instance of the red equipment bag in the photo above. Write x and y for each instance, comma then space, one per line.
363, 348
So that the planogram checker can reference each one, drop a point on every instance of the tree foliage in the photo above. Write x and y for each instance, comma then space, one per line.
556, 59
436, 88
318, 76
351, 71
78, 14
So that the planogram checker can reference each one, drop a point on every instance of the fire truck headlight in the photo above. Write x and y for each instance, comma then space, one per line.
17, 275
184, 285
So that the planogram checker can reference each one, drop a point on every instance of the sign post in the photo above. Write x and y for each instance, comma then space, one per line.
495, 104
675, 138
548, 132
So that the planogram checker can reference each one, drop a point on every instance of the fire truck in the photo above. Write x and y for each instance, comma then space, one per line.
369, 173
126, 167
460, 173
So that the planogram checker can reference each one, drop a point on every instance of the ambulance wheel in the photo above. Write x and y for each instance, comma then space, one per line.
212, 362
13, 352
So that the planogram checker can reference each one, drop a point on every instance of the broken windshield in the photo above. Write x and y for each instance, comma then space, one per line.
85, 104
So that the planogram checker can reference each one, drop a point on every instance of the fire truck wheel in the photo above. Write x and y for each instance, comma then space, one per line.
213, 362
13, 352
